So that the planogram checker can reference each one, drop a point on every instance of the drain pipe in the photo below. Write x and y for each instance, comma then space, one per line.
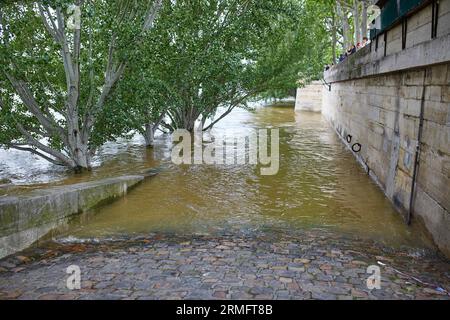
417, 155
324, 83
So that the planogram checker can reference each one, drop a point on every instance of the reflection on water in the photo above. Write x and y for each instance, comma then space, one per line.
319, 184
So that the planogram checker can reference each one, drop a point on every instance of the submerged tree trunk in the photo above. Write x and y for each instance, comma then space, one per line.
81, 156
190, 117
149, 135
149, 129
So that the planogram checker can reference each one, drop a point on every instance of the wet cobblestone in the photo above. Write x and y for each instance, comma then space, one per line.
314, 264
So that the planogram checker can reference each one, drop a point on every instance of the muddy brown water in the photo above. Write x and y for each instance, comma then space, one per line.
319, 184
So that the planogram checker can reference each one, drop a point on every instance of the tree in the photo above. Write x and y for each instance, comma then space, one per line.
342, 12
356, 25
203, 55
59, 66
353, 21
364, 16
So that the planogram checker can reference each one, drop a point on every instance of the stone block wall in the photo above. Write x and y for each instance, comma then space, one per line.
309, 97
381, 102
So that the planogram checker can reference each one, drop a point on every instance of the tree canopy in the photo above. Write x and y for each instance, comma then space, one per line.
75, 74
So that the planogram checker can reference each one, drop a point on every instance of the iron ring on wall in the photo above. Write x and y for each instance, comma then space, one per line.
349, 138
356, 147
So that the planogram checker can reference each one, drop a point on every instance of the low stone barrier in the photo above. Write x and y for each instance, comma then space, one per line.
24, 219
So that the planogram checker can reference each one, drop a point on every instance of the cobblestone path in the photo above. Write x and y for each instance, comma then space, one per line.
314, 264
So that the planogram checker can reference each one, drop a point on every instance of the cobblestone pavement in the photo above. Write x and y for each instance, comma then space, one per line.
314, 264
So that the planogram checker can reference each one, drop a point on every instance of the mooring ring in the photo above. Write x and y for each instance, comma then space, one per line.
349, 138
358, 149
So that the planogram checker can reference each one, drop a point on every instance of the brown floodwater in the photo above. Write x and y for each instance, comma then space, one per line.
319, 184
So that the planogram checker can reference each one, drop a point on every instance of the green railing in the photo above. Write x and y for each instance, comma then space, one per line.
394, 10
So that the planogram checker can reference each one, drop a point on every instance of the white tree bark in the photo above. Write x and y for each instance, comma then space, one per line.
356, 21
341, 11
334, 36
364, 19
76, 135
149, 134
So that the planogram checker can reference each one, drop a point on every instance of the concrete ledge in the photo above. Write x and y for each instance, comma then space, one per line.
24, 219
364, 63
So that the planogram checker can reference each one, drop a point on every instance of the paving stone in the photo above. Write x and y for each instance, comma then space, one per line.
304, 266
286, 280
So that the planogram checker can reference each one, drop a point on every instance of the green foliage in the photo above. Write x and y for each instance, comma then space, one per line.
30, 54
206, 54
201, 55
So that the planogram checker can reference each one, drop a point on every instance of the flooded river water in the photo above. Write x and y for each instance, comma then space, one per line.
319, 184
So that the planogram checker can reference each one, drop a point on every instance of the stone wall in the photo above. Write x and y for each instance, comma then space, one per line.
309, 97
381, 102
24, 219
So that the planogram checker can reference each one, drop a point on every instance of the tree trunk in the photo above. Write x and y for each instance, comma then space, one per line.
82, 159
345, 25
149, 135
187, 119
356, 21
79, 151
364, 19
334, 37
75, 136
190, 125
